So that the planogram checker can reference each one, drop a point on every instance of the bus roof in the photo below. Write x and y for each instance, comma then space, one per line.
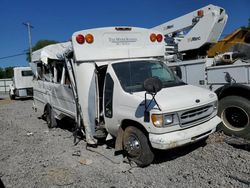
54, 51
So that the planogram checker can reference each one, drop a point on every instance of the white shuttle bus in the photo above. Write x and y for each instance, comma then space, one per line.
113, 83
22, 83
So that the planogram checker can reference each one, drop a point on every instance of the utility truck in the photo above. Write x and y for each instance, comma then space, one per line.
113, 83
193, 53
22, 83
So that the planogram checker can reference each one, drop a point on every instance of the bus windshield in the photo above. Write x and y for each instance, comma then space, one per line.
132, 74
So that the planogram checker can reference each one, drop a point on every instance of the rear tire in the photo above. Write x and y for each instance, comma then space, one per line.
50, 118
235, 114
137, 147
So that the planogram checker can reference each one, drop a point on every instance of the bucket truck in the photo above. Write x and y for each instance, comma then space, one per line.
221, 69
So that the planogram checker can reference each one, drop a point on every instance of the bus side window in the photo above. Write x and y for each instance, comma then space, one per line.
67, 79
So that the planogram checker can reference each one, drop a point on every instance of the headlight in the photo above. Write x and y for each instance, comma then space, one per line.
168, 119
164, 120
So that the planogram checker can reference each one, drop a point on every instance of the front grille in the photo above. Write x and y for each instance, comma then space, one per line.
195, 116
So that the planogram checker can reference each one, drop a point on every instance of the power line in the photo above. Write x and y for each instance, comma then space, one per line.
10, 56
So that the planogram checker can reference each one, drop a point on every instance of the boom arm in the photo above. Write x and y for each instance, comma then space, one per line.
196, 29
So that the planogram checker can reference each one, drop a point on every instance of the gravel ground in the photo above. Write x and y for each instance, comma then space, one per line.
31, 155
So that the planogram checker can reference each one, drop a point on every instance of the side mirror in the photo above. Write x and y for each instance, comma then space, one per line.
152, 85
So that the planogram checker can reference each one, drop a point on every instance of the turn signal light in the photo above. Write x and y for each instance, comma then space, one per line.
80, 39
89, 38
153, 37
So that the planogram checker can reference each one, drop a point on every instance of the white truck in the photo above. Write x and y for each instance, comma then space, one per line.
112, 81
22, 83
188, 39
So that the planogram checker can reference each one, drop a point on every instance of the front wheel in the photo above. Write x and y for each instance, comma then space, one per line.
235, 114
12, 96
137, 147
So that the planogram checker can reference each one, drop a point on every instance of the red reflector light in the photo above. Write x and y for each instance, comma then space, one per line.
153, 37
80, 39
200, 13
89, 38
159, 38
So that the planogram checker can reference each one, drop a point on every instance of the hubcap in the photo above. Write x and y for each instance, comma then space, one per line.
132, 146
235, 118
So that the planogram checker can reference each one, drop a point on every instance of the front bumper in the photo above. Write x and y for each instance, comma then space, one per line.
184, 136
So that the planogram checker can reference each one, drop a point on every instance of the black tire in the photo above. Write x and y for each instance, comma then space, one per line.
50, 118
234, 112
12, 97
137, 147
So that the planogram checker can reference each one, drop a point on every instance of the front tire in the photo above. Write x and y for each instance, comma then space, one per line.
235, 114
137, 147
12, 97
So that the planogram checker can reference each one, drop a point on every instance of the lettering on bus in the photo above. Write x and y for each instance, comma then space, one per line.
122, 40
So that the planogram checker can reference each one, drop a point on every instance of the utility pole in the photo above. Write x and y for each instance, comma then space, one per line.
29, 26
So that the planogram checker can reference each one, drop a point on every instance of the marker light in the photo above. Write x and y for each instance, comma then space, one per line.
157, 120
80, 39
153, 37
89, 38
159, 38
200, 13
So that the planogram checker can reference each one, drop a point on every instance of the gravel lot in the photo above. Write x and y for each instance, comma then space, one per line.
31, 155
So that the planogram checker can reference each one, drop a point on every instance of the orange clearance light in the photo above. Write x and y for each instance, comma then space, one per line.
153, 37
200, 13
80, 39
159, 38
89, 38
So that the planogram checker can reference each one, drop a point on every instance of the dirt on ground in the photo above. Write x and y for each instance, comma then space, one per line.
31, 155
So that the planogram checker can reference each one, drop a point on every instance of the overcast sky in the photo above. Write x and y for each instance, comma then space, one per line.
57, 20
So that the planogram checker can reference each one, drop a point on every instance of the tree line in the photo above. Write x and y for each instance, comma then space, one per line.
6, 72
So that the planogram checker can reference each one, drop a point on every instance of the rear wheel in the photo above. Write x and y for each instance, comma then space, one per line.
50, 119
137, 147
235, 114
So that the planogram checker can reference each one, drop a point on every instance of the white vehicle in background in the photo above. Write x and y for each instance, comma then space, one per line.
193, 51
113, 83
22, 83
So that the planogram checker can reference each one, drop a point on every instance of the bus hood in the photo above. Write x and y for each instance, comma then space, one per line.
181, 97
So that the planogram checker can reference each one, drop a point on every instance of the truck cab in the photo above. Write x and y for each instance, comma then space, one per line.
22, 83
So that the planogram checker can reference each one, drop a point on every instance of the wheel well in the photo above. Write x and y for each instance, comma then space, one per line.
128, 122
237, 89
